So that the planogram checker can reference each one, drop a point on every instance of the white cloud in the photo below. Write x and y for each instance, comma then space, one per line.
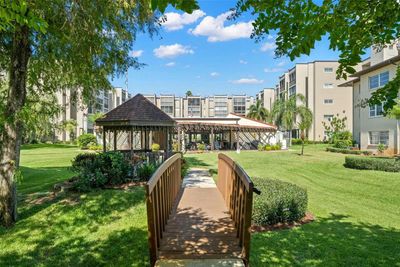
281, 64
268, 46
170, 51
175, 21
216, 31
137, 53
244, 62
170, 64
271, 70
248, 81
214, 74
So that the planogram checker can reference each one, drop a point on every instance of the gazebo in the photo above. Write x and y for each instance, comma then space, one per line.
135, 125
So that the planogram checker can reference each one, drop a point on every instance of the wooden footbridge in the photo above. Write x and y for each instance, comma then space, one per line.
195, 220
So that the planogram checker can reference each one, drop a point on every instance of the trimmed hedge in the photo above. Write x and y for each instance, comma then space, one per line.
348, 151
278, 202
86, 140
298, 141
373, 163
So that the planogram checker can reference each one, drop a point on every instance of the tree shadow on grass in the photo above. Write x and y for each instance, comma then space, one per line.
195, 162
58, 233
330, 241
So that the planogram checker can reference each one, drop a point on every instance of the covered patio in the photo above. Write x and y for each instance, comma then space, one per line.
228, 133
134, 126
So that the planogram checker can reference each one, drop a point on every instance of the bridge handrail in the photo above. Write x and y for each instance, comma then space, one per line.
161, 192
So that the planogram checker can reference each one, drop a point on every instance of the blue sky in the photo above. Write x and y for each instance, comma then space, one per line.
207, 54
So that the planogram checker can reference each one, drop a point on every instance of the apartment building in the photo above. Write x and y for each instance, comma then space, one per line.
370, 126
267, 97
323, 96
73, 108
218, 106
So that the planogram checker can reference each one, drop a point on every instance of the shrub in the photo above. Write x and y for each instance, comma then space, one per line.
95, 147
145, 171
155, 147
381, 148
342, 143
175, 147
268, 148
348, 151
278, 202
373, 163
97, 170
201, 147
297, 141
260, 147
85, 139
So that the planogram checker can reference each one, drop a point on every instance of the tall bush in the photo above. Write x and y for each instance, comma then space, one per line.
85, 140
278, 202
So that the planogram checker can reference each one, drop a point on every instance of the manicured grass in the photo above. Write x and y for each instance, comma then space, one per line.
358, 212
105, 227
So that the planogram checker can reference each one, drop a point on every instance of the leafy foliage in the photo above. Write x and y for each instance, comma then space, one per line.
201, 147
258, 112
145, 171
352, 27
155, 147
373, 163
336, 129
96, 170
278, 202
343, 139
84, 140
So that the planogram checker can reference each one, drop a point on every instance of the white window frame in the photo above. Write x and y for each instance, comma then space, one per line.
328, 85
380, 133
331, 103
328, 69
375, 111
379, 80
328, 117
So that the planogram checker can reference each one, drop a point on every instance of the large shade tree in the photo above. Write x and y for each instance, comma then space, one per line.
47, 46
351, 26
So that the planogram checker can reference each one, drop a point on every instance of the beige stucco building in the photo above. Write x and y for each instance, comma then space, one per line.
317, 82
217, 106
370, 127
267, 97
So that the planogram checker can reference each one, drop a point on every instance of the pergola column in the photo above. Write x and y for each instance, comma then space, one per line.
237, 141
104, 140
212, 139
115, 139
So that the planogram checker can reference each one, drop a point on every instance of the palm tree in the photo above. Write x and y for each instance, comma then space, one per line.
188, 93
285, 111
258, 112
306, 118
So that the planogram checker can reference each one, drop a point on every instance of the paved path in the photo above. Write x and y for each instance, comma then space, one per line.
200, 226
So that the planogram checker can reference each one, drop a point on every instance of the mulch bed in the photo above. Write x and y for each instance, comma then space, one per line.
308, 218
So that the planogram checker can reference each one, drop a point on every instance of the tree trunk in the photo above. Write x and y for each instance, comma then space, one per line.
302, 147
11, 138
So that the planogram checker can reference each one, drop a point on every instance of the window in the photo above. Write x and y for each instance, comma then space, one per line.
220, 106
194, 107
328, 85
376, 138
376, 111
167, 104
328, 70
378, 80
292, 90
239, 105
328, 117
328, 101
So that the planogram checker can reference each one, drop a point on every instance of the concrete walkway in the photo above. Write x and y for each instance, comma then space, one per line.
200, 231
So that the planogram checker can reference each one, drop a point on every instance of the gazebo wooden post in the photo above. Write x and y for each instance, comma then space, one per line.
115, 139
146, 139
131, 140
104, 139
212, 139
237, 141
230, 139
179, 138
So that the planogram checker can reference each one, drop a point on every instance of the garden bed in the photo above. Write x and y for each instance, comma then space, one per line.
308, 218
348, 151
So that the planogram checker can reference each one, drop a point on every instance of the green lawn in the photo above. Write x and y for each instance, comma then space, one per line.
358, 214
100, 228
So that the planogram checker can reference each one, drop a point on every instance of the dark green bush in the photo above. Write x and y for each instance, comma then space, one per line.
348, 151
298, 141
279, 202
145, 171
85, 140
373, 163
97, 170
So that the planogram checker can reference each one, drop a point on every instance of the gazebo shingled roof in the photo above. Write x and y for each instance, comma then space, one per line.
137, 111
